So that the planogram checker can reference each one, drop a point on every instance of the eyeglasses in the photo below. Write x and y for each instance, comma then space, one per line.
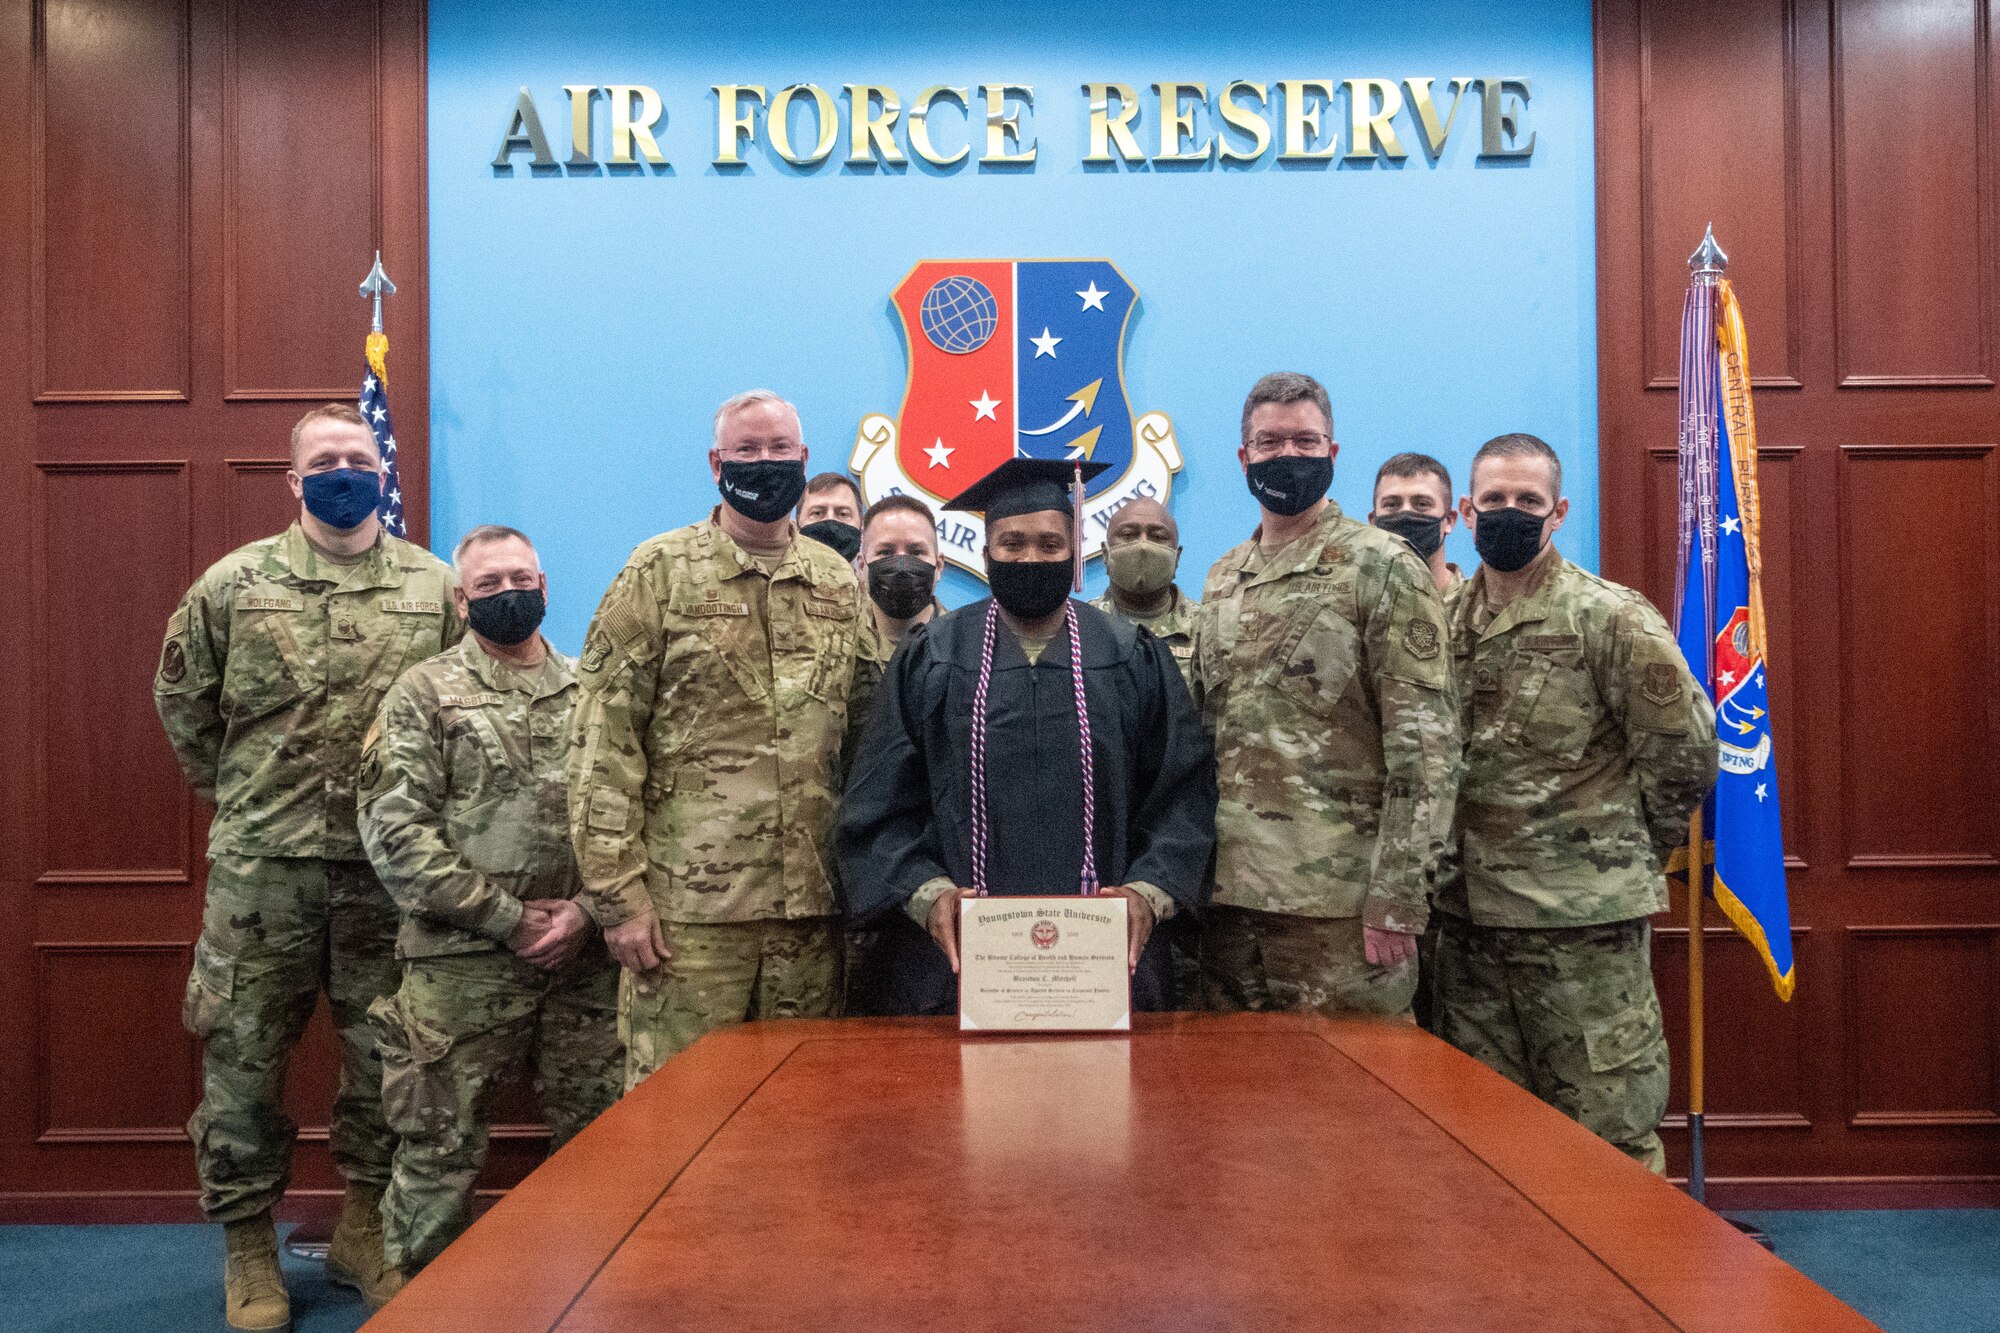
751, 451
1309, 444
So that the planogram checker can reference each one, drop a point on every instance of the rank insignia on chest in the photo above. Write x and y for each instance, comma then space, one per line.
1420, 637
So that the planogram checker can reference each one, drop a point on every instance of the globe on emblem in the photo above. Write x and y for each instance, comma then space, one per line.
959, 314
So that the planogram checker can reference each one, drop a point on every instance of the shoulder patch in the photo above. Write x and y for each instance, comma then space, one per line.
1421, 638
1661, 683
595, 649
173, 663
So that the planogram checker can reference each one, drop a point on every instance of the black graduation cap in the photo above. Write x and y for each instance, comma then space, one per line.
1025, 486
1029, 486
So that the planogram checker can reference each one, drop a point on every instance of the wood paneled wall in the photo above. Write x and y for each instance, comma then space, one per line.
194, 187
193, 190
1845, 151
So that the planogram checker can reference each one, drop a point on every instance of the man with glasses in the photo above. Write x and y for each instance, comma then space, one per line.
717, 683
1588, 745
1321, 671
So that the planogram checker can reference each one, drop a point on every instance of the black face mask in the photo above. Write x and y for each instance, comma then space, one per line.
1289, 484
901, 584
1509, 538
842, 537
763, 491
1424, 532
1029, 589
509, 617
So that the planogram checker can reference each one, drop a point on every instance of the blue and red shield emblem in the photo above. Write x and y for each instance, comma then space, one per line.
1014, 357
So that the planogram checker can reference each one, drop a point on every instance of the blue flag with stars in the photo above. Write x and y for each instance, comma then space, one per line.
374, 407
1721, 628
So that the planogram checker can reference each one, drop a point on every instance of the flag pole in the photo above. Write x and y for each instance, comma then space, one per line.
1697, 1091
1707, 264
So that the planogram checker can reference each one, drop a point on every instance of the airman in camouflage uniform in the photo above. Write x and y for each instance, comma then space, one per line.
1142, 552
718, 680
464, 810
1588, 746
1322, 673
1412, 499
899, 567
273, 667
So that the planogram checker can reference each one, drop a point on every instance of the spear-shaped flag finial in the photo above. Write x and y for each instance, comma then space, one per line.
377, 285
1706, 261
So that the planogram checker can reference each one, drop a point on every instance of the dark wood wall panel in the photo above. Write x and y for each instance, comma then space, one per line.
1920, 672
1746, 142
1912, 219
203, 184
1916, 1061
301, 194
1845, 150
114, 804
255, 499
110, 228
141, 1097
1759, 1075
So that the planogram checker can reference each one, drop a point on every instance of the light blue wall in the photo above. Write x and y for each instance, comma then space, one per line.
585, 326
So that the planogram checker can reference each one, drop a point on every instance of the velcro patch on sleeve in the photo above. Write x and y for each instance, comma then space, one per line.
1661, 683
1421, 638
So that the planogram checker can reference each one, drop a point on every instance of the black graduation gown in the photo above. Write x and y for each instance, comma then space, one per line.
906, 815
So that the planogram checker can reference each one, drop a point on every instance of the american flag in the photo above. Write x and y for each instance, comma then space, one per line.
374, 406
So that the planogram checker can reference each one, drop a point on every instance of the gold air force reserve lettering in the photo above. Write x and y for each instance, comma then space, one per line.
273, 667
705, 774
1588, 745
465, 812
1321, 671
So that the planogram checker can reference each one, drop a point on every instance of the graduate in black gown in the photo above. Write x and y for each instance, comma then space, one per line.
972, 770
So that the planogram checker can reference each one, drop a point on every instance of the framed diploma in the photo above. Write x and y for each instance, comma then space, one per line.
1034, 964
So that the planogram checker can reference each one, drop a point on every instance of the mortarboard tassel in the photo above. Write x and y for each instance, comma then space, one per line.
1076, 527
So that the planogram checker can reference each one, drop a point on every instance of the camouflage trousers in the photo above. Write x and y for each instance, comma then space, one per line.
1273, 960
723, 973
276, 931
462, 1028
1569, 1014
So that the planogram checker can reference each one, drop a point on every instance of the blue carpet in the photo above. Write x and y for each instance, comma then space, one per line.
1916, 1271
143, 1279
1911, 1272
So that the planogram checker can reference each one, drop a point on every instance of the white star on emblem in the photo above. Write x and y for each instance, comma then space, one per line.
1092, 298
1728, 677
1761, 793
1730, 524
983, 405
1758, 680
1046, 344
939, 454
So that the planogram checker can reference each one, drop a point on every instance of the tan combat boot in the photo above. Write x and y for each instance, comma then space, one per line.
253, 1287
355, 1257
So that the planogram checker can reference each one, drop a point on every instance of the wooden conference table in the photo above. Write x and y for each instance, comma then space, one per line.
1248, 1172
